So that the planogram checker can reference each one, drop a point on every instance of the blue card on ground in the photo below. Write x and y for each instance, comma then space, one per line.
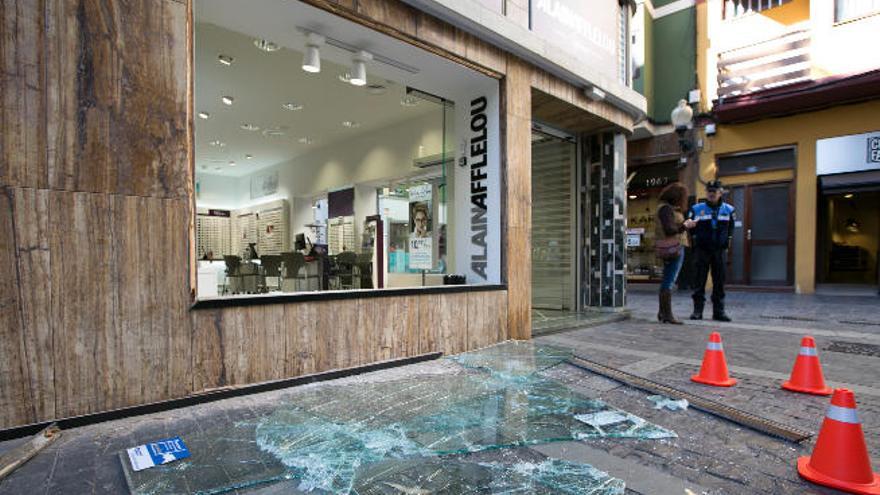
156, 453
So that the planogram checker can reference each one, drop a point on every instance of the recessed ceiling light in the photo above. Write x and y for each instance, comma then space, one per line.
218, 168
247, 126
848, 195
633, 196
217, 143
204, 167
345, 77
227, 100
377, 89
231, 163
409, 101
266, 45
204, 115
248, 156
225, 59
274, 131
351, 124
305, 140
292, 106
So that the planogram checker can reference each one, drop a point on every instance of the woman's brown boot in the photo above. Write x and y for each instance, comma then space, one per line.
665, 315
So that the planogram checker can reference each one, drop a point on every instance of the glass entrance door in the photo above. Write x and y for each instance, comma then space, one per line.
553, 222
761, 250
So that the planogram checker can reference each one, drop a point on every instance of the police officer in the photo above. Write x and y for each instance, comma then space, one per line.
711, 236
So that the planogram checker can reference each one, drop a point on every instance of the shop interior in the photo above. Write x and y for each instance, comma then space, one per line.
324, 154
643, 193
849, 237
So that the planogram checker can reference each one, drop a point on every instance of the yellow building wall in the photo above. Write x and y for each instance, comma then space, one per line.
801, 130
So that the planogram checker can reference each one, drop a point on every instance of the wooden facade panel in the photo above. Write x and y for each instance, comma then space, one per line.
31, 216
517, 105
301, 333
22, 91
336, 344
208, 364
487, 319
16, 403
94, 96
391, 13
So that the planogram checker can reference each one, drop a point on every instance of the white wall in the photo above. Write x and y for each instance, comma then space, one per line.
218, 192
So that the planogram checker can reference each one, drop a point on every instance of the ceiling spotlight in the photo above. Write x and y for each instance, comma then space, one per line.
312, 56
848, 195
266, 45
248, 156
217, 143
218, 168
231, 163
225, 59
305, 140
345, 77
351, 124
359, 68
633, 196
409, 101
292, 106
204, 115
250, 127
227, 100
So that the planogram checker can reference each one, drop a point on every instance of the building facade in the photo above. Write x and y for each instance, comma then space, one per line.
199, 196
794, 101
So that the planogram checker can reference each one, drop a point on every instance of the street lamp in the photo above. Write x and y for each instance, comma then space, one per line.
681, 118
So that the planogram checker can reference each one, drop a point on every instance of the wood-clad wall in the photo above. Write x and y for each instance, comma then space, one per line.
95, 218
96, 221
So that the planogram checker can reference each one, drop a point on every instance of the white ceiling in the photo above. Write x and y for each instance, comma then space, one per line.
260, 83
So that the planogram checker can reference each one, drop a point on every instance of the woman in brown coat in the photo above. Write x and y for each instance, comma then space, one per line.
670, 239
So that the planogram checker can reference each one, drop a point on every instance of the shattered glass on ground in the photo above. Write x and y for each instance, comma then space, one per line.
412, 435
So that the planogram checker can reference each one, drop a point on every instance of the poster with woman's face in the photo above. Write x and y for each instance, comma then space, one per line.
420, 220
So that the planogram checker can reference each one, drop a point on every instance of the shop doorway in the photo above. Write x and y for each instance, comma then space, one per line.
762, 250
554, 222
849, 238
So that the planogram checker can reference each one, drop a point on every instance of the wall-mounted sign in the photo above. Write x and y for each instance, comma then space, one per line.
264, 184
652, 176
853, 153
586, 28
219, 213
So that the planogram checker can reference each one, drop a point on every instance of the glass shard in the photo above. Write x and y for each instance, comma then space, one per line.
410, 434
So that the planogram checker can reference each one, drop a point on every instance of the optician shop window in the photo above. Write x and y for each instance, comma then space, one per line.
330, 157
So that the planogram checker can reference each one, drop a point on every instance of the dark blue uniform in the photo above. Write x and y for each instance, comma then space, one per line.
710, 239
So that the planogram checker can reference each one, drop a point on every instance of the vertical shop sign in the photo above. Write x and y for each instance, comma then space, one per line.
479, 186
421, 246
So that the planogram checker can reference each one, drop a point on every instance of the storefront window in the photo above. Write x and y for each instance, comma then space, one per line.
643, 199
337, 159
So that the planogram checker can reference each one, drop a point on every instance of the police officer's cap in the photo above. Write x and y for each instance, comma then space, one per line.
714, 185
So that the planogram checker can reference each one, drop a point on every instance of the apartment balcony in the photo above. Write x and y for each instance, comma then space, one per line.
767, 64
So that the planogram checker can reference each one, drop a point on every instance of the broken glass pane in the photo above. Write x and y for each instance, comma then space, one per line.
333, 438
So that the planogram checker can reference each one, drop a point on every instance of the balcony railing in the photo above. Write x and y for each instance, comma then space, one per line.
739, 8
764, 65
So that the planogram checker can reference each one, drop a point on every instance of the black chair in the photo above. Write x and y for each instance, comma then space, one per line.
343, 274
365, 269
271, 264
233, 274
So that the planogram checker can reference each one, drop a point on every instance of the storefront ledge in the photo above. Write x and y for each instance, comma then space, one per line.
260, 299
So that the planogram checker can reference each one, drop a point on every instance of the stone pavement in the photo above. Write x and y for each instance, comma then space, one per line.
760, 344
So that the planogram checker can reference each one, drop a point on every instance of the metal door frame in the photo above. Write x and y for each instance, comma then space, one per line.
747, 241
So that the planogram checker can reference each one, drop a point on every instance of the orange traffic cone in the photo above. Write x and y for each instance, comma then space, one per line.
714, 368
840, 458
806, 376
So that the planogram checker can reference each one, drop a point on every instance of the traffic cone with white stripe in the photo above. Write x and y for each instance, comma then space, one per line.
714, 369
806, 376
840, 458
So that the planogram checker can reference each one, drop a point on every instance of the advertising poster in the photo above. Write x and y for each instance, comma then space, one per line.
421, 246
